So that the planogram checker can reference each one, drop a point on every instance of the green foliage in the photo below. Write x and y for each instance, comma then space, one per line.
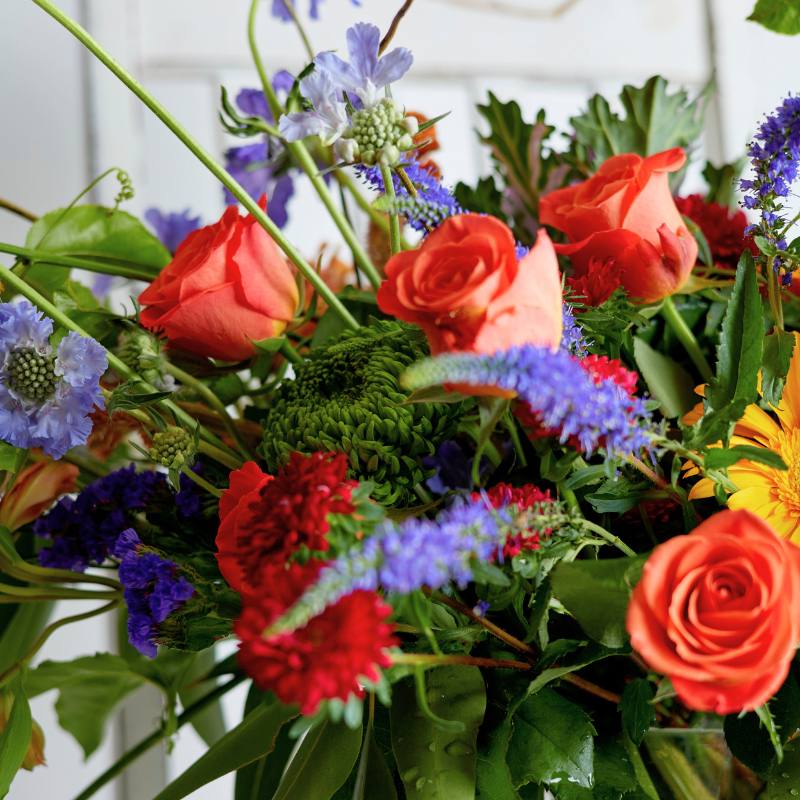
738, 360
494, 777
784, 779
596, 593
15, 738
253, 738
22, 630
667, 381
484, 198
552, 740
360, 304
778, 349
638, 713
721, 182
723, 457
433, 762
579, 659
654, 121
781, 16
10, 457
79, 303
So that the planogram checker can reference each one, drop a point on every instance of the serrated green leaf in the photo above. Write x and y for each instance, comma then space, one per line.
437, 763
722, 457
552, 740
493, 775
637, 710
253, 738
722, 182
15, 739
668, 381
778, 349
781, 16
577, 660
596, 593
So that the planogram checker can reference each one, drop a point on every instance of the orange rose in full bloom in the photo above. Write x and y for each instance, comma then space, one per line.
466, 288
718, 612
227, 286
624, 228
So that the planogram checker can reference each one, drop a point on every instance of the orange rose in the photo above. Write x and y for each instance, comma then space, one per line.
623, 221
227, 286
37, 487
468, 291
718, 612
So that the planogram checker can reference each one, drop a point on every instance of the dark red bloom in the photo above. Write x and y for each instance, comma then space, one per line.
602, 279
326, 658
723, 228
265, 520
527, 496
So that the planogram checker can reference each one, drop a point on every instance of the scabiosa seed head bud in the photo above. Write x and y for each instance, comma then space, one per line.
173, 448
32, 373
143, 352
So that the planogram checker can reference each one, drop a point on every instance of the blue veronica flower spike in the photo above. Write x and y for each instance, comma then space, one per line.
46, 396
171, 227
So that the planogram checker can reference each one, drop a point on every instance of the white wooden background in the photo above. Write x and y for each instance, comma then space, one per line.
64, 120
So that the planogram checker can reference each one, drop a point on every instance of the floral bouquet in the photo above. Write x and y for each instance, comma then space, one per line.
504, 505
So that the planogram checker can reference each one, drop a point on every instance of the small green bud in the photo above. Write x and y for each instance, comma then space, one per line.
173, 448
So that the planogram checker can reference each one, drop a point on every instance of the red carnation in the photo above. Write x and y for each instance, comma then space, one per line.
723, 227
326, 658
265, 520
528, 496
602, 279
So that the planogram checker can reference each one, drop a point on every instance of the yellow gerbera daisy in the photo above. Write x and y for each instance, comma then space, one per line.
771, 493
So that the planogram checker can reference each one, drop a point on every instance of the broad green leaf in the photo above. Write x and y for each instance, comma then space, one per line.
15, 738
322, 762
210, 723
89, 688
596, 593
668, 381
578, 660
374, 778
781, 16
9, 457
722, 182
437, 763
484, 198
615, 777
22, 631
738, 359
493, 775
778, 349
784, 780
551, 741
723, 457
254, 737
638, 713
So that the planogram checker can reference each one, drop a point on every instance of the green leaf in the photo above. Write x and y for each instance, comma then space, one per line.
22, 631
374, 780
722, 182
723, 457
493, 775
703, 249
596, 593
638, 713
10, 457
668, 381
785, 778
778, 349
436, 763
89, 687
738, 359
484, 198
210, 723
322, 763
781, 16
552, 740
250, 740
579, 660
15, 738
615, 777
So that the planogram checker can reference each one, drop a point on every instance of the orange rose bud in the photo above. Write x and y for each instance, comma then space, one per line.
35, 755
37, 487
227, 286
718, 612
624, 227
466, 288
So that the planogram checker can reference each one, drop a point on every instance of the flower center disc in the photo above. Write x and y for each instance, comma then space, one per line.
32, 374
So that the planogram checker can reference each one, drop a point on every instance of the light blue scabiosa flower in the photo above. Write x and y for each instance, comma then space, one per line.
46, 396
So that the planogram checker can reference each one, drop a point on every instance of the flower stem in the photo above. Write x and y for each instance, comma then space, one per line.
54, 593
203, 157
189, 380
398, 17
218, 455
609, 537
394, 218
774, 293
685, 336
201, 482
290, 7
431, 660
189, 713
13, 208
52, 259
302, 157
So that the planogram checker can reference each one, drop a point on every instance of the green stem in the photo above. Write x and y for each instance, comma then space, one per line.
56, 593
774, 293
302, 157
201, 482
13, 208
609, 537
289, 353
675, 769
204, 157
213, 401
120, 367
686, 338
218, 455
52, 259
394, 218
156, 736
300, 29
431, 660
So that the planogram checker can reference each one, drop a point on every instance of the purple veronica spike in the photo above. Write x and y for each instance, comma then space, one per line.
366, 72
171, 227
572, 339
556, 386
46, 397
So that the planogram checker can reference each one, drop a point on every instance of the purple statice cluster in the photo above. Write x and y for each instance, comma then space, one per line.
774, 157
280, 11
153, 588
554, 385
261, 166
572, 338
46, 393
171, 227
82, 531
433, 204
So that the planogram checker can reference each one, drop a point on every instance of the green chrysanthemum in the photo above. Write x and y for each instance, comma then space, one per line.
347, 397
